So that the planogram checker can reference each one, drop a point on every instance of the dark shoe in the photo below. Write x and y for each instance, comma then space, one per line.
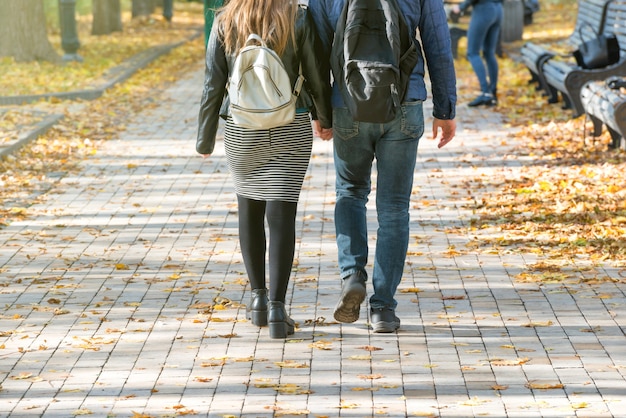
485, 99
353, 293
280, 323
384, 320
256, 311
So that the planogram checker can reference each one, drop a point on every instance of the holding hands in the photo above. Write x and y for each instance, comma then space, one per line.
323, 133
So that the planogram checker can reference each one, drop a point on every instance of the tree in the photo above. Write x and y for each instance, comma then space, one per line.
23, 33
107, 17
141, 8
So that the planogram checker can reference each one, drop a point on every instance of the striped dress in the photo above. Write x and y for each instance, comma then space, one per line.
269, 164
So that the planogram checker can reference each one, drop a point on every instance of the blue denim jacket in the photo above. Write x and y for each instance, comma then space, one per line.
427, 16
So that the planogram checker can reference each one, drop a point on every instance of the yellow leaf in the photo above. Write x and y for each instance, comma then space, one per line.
290, 364
22, 376
365, 357
411, 290
292, 412
321, 345
544, 386
140, 415
513, 362
216, 319
370, 376
347, 405
538, 324
475, 401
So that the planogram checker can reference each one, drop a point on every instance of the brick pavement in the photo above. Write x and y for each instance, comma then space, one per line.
124, 295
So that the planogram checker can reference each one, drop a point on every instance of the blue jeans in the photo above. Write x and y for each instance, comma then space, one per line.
483, 34
394, 147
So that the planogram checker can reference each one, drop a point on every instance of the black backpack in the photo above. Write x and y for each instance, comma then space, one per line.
372, 57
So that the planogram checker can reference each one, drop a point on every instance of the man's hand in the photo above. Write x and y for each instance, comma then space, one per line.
447, 128
323, 133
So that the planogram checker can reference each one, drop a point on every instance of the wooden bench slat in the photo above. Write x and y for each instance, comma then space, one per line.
566, 78
533, 56
606, 106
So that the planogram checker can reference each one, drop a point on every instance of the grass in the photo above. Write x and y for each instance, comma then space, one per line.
100, 53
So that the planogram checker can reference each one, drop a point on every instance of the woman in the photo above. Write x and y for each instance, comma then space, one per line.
483, 34
267, 166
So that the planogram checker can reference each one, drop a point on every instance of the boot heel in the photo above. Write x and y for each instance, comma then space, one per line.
256, 311
258, 318
278, 330
280, 324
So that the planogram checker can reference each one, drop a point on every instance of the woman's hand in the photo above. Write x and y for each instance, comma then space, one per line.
323, 133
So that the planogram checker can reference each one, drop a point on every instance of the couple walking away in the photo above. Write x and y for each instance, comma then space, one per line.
268, 165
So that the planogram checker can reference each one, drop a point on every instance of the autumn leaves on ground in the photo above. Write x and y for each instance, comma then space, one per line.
25, 175
568, 206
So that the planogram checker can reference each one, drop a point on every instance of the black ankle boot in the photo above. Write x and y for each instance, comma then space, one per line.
485, 99
256, 311
280, 323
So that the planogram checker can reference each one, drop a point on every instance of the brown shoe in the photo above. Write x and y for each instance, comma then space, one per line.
353, 293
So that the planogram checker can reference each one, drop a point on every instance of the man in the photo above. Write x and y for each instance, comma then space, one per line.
394, 147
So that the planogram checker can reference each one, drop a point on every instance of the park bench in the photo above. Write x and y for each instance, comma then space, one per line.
565, 77
605, 104
590, 15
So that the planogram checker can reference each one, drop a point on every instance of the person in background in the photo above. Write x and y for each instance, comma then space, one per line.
267, 166
483, 36
394, 147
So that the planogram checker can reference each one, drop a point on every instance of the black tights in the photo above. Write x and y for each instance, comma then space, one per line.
281, 219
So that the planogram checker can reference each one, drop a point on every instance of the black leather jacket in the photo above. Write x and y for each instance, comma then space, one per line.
315, 95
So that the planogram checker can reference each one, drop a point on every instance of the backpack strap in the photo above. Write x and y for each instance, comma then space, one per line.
297, 88
255, 37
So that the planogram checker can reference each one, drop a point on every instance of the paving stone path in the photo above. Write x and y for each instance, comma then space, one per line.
124, 295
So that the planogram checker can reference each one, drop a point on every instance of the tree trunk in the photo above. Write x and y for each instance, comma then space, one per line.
107, 17
168, 9
142, 8
23, 33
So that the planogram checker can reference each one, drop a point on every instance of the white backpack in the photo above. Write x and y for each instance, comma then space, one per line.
259, 89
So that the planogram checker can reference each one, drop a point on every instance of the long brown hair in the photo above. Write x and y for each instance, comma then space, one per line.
272, 20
